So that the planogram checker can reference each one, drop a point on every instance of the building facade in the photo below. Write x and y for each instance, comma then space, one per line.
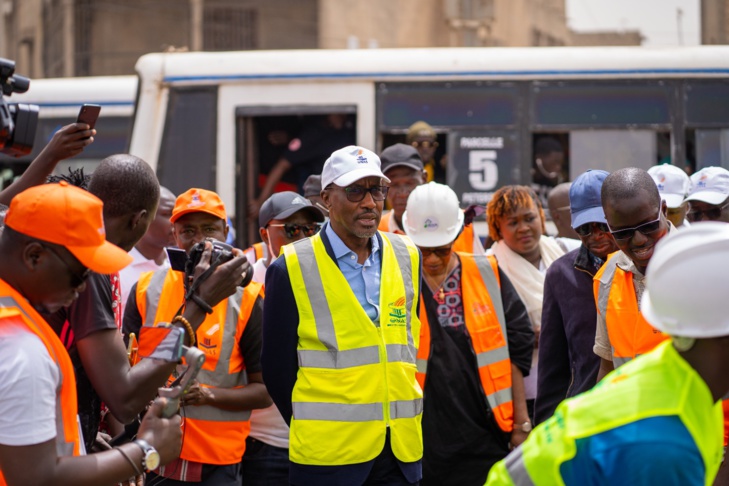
715, 21
54, 38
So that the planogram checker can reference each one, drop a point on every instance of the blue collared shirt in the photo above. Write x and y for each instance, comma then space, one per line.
364, 279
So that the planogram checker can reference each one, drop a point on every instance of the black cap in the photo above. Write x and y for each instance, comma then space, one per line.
400, 155
312, 185
283, 204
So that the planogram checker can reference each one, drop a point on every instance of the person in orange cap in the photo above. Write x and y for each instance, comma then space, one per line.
217, 409
54, 237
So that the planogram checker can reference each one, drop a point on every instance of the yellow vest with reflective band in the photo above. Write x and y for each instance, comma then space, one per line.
630, 334
14, 306
355, 377
661, 383
211, 435
483, 312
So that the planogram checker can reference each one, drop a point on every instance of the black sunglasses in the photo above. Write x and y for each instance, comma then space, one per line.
76, 279
294, 230
645, 228
425, 144
357, 193
441, 252
587, 228
712, 214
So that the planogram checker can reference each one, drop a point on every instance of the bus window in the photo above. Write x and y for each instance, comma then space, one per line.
304, 141
611, 150
712, 148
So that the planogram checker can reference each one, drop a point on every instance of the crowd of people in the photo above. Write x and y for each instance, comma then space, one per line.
354, 346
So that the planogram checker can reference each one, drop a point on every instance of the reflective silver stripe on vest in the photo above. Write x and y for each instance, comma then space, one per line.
338, 412
492, 286
214, 414
492, 356
402, 256
153, 294
404, 409
317, 297
422, 365
220, 377
499, 398
514, 463
348, 358
603, 297
401, 352
63, 448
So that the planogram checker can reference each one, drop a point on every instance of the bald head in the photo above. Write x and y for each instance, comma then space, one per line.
558, 202
629, 183
559, 197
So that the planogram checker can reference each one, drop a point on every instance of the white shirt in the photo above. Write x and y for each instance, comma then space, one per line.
28, 382
131, 273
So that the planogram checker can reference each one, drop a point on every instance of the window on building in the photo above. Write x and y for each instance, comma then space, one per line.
228, 26
53, 45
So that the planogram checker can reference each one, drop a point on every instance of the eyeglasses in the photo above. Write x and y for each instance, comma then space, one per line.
441, 252
645, 228
76, 279
712, 214
425, 144
587, 228
294, 230
358, 193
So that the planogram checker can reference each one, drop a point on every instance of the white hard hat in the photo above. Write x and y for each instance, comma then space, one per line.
686, 283
433, 216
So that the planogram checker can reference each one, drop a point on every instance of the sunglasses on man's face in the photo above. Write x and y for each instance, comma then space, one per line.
357, 193
587, 228
712, 214
645, 228
441, 252
294, 230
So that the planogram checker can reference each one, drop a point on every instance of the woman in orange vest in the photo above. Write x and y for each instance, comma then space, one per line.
475, 346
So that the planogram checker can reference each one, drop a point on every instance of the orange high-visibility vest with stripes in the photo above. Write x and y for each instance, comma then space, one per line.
211, 435
14, 306
484, 315
630, 334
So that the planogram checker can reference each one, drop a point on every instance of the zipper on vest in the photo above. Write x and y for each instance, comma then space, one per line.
383, 360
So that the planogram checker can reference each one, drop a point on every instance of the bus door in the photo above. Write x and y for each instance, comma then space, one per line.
302, 135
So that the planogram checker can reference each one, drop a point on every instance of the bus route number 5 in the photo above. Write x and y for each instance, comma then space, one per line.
483, 173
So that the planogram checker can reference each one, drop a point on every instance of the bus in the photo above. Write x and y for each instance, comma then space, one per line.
59, 100
207, 119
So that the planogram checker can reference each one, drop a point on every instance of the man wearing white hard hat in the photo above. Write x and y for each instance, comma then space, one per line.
658, 418
340, 334
709, 196
476, 344
673, 186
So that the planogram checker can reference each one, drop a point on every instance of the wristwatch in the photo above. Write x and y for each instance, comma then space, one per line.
150, 456
525, 427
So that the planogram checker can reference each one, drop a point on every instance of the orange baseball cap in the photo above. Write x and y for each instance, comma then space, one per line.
198, 201
71, 217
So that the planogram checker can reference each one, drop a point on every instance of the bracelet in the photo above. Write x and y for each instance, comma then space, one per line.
137, 471
188, 328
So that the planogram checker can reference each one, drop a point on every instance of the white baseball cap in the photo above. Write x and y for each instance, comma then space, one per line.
710, 185
349, 165
673, 183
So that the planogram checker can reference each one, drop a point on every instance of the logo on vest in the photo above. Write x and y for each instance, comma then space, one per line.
398, 314
480, 309
206, 343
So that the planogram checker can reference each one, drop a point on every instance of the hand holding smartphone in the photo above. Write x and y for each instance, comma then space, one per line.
88, 115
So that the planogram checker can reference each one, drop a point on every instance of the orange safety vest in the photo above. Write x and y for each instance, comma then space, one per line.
484, 316
464, 243
13, 306
258, 250
211, 435
630, 334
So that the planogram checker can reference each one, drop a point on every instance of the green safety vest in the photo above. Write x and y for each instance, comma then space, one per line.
660, 383
355, 377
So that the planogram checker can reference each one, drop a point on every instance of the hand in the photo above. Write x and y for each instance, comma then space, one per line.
164, 434
68, 142
197, 395
223, 282
517, 437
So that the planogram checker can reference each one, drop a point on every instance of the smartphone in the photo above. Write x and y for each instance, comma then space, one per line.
178, 258
88, 115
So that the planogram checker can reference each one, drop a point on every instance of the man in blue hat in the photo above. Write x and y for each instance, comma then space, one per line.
567, 364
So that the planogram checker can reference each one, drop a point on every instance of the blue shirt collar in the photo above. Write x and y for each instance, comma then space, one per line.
340, 249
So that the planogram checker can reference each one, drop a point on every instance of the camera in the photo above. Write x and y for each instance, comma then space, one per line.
18, 122
221, 253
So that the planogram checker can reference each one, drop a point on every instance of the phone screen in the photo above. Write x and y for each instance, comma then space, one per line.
178, 258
